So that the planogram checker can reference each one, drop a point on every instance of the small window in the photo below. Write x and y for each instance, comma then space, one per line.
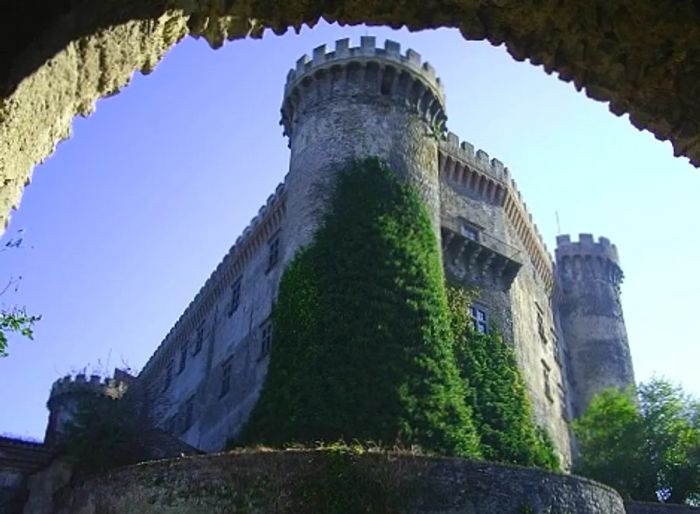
188, 415
479, 318
198, 339
540, 323
470, 232
225, 378
168, 375
547, 385
562, 403
265, 339
273, 248
235, 297
183, 358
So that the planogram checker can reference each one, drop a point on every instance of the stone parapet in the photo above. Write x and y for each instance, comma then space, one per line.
81, 384
306, 481
371, 70
586, 246
489, 179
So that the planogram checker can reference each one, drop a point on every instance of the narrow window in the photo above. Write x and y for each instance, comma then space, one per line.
225, 378
183, 358
199, 339
168, 376
540, 323
547, 386
273, 248
479, 319
265, 339
235, 297
188, 414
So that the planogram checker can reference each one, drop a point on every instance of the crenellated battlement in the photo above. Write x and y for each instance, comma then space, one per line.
490, 179
379, 71
464, 152
81, 383
256, 233
586, 246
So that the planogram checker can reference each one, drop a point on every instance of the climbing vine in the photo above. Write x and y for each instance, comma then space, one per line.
496, 393
363, 344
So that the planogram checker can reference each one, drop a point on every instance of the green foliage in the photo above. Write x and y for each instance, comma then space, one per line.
496, 393
104, 434
16, 320
648, 450
362, 342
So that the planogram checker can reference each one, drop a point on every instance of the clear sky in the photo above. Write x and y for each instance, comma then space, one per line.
127, 219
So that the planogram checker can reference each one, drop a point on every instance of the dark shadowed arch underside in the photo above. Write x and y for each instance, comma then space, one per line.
57, 58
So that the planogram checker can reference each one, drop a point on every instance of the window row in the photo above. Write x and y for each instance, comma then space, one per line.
273, 257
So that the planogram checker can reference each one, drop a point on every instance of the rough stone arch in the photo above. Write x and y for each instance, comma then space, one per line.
58, 58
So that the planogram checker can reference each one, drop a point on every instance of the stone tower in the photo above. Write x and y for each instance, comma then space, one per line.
352, 103
66, 394
590, 313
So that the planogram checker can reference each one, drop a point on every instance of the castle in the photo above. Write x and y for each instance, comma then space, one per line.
564, 318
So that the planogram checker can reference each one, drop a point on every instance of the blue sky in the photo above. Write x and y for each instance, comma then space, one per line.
127, 219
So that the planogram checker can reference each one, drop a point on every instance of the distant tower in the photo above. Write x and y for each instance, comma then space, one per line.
65, 397
590, 313
352, 103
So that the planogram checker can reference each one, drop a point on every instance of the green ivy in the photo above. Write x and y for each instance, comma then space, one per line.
362, 340
496, 393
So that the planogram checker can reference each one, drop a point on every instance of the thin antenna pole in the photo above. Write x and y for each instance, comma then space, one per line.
556, 213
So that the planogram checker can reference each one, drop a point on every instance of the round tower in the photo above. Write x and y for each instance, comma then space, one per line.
64, 400
351, 103
588, 277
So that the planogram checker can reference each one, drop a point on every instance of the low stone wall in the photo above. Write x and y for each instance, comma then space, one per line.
659, 508
335, 482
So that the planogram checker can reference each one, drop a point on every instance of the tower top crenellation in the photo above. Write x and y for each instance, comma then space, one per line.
367, 51
586, 246
81, 383
364, 72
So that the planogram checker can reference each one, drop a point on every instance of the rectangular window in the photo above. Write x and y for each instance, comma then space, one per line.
479, 318
547, 386
470, 231
265, 339
235, 297
183, 358
199, 339
168, 375
273, 248
540, 323
562, 404
225, 378
188, 415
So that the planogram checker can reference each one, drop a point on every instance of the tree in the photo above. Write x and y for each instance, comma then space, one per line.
14, 319
496, 393
647, 447
362, 342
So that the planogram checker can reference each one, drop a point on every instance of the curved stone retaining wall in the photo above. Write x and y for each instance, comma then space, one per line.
327, 481
659, 508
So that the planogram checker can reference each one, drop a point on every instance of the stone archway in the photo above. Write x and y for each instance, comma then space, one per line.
641, 56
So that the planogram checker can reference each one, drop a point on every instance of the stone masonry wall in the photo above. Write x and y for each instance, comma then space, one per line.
305, 481
659, 508
523, 311
222, 340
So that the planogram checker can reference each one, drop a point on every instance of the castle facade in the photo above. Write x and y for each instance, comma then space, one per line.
563, 318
